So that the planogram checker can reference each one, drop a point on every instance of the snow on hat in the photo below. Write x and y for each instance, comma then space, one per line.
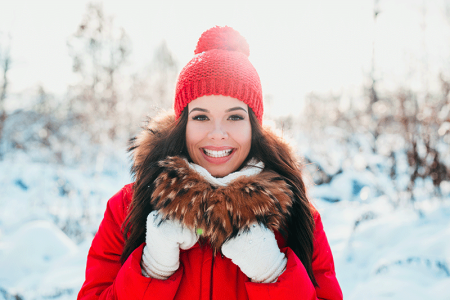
220, 67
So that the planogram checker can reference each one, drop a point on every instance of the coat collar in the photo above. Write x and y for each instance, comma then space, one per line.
220, 211
253, 167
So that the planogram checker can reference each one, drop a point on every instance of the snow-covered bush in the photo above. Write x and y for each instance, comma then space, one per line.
400, 140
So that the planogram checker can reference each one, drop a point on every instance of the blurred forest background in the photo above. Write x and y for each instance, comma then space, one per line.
381, 148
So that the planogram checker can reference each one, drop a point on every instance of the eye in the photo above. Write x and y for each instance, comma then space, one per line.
200, 118
235, 118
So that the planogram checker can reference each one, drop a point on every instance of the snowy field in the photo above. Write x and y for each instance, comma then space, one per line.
49, 213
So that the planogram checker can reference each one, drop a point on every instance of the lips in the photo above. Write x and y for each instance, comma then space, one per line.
217, 154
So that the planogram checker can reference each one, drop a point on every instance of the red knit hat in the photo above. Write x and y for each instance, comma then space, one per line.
220, 67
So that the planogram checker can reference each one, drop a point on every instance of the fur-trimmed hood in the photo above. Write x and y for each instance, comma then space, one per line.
216, 212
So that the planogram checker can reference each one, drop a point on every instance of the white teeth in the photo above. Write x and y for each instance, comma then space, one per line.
213, 153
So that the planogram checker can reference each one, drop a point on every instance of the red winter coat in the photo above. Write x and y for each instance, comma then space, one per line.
201, 275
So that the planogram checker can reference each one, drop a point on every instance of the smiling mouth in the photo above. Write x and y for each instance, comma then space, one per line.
222, 153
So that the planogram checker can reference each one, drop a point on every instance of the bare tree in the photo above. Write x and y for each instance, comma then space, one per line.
164, 72
372, 91
99, 51
5, 65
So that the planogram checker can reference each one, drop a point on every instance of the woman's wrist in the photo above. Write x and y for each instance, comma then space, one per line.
274, 273
151, 268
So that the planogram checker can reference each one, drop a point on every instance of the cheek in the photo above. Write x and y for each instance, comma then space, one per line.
243, 136
193, 136
190, 136
248, 142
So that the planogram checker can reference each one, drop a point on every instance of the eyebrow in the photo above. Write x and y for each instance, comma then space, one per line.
199, 109
235, 108
228, 110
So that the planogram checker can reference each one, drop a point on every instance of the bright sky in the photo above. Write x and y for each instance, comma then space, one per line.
296, 46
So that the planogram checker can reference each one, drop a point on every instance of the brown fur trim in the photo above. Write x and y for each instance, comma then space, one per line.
142, 145
182, 194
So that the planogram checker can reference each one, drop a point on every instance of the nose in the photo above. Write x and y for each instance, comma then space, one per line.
218, 132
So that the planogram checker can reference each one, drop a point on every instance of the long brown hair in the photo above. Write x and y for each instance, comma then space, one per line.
278, 156
266, 147
166, 141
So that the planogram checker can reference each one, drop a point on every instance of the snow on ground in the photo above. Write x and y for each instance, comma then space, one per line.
49, 213
386, 253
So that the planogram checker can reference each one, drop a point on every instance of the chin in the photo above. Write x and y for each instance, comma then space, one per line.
220, 173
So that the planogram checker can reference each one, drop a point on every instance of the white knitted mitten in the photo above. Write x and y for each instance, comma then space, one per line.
256, 252
161, 254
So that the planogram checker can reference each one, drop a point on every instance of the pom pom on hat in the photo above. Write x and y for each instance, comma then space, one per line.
220, 67
225, 38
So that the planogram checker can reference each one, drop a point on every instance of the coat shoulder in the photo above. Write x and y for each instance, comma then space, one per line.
119, 204
318, 226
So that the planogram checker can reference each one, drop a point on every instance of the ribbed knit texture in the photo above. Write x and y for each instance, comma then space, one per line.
256, 253
164, 239
220, 67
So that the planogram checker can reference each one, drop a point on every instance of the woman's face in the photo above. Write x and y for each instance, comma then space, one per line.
218, 133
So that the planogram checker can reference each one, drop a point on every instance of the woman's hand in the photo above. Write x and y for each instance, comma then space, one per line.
257, 254
161, 254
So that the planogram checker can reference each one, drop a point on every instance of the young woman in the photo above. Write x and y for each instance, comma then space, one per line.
218, 209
